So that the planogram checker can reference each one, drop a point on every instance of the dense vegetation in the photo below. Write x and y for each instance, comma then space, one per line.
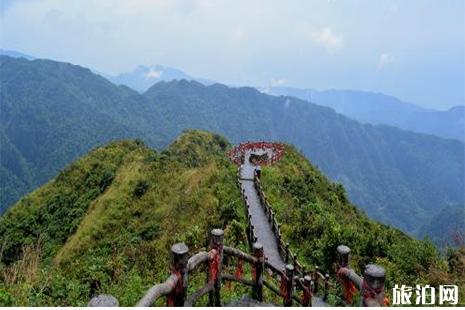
51, 113
105, 223
316, 216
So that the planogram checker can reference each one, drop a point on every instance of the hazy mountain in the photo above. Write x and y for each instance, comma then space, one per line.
377, 108
142, 78
52, 112
447, 227
15, 54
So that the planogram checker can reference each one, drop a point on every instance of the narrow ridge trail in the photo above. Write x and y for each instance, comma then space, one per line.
259, 219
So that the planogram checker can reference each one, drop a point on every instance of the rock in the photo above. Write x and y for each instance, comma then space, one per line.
103, 301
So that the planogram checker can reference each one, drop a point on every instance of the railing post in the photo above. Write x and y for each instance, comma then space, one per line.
343, 256
215, 267
257, 271
343, 253
289, 285
251, 236
373, 286
307, 294
287, 253
315, 280
295, 262
326, 287
178, 266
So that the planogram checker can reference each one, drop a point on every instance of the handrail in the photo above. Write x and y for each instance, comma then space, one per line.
292, 288
196, 260
158, 291
371, 285
272, 288
239, 254
192, 299
230, 277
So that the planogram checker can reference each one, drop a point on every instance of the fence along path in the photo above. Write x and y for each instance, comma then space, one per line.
259, 220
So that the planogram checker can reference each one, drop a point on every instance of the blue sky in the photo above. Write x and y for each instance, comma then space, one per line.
414, 49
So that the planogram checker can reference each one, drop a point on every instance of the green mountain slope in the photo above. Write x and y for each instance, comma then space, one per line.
106, 222
52, 113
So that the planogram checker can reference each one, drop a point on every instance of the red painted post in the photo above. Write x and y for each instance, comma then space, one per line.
326, 287
289, 285
257, 271
373, 286
178, 266
307, 294
215, 267
315, 280
343, 253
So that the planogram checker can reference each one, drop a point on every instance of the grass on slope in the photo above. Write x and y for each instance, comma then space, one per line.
316, 217
113, 236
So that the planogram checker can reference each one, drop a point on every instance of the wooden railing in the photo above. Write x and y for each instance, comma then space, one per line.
293, 289
237, 153
371, 285
174, 289
310, 281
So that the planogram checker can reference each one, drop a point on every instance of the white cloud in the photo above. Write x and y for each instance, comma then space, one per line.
153, 74
277, 82
384, 59
326, 38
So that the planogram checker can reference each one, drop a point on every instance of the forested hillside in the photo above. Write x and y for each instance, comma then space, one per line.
105, 223
52, 112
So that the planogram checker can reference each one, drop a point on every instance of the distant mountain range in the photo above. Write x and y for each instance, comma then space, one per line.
143, 77
366, 107
53, 112
15, 54
377, 108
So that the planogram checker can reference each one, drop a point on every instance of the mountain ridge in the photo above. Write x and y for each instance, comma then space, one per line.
383, 168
